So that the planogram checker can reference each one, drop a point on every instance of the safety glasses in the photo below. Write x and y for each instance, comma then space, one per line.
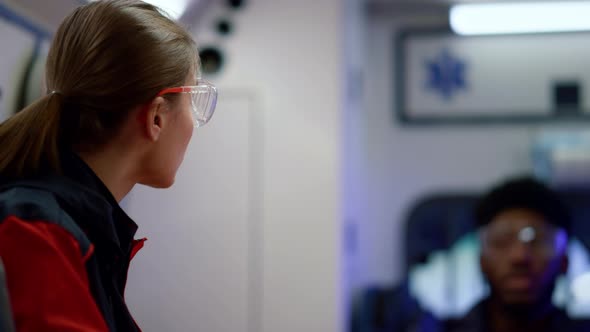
544, 241
203, 100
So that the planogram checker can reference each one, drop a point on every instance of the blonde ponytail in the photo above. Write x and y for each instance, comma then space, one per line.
30, 139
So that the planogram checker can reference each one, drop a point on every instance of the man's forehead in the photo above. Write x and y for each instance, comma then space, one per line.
517, 216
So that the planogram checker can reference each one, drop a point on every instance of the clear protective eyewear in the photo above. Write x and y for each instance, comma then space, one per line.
203, 100
544, 241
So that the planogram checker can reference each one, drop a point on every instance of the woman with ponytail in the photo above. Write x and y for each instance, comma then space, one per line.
123, 96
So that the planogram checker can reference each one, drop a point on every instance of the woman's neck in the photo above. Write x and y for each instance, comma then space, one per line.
113, 168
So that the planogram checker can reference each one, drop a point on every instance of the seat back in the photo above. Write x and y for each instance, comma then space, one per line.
6, 319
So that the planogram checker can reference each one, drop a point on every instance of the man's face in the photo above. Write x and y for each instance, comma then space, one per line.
522, 256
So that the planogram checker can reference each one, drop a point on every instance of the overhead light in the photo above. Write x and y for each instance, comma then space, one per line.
523, 17
174, 8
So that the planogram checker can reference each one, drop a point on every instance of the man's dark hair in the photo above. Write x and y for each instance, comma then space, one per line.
523, 193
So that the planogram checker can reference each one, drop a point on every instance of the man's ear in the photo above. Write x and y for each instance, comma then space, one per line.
483, 265
153, 118
564, 263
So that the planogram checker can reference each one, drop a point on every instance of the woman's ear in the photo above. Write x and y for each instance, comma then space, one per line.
153, 115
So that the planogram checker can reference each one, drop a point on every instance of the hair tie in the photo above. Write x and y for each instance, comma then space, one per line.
55, 92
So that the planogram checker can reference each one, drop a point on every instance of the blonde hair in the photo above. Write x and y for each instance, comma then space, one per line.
107, 58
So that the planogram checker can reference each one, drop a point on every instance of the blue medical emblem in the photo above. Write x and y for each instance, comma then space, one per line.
446, 74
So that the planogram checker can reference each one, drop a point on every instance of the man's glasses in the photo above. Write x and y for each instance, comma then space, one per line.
203, 100
544, 241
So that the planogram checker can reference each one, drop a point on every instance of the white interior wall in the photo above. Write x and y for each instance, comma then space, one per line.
287, 56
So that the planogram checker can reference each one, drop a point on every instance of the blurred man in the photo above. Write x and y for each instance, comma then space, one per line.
524, 236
